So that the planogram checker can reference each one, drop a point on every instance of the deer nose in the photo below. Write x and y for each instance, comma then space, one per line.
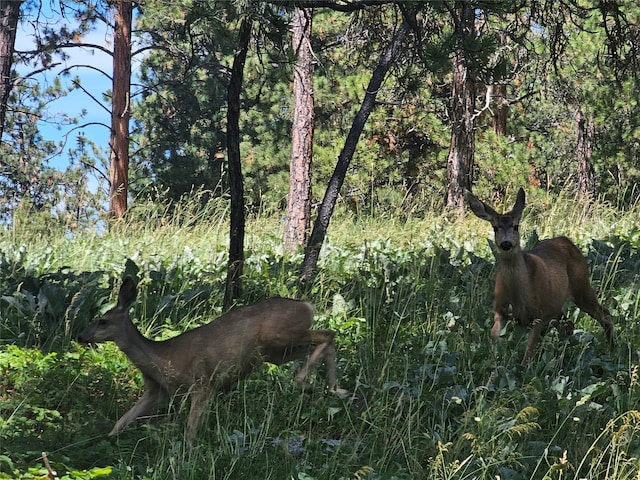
84, 337
506, 246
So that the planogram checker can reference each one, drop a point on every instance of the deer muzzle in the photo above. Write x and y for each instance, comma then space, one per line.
506, 246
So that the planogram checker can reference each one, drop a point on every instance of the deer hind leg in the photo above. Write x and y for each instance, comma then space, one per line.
564, 326
537, 327
199, 396
323, 348
588, 302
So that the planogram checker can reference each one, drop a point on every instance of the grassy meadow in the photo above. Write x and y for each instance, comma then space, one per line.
409, 293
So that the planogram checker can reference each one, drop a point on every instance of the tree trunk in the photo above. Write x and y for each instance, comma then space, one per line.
584, 149
500, 114
460, 160
319, 232
9, 15
233, 285
120, 114
296, 226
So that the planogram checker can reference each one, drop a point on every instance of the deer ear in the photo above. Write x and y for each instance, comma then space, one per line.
481, 209
519, 205
127, 294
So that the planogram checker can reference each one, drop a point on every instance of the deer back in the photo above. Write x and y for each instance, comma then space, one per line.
222, 351
235, 343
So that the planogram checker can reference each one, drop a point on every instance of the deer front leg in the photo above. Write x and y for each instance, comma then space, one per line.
499, 321
152, 394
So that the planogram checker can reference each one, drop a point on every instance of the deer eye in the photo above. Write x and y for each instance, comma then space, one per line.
102, 322
516, 227
495, 229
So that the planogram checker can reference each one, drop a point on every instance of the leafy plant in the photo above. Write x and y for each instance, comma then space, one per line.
411, 305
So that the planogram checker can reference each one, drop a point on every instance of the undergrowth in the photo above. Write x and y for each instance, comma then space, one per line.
409, 294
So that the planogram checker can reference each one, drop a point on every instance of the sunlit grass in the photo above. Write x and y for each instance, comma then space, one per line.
409, 293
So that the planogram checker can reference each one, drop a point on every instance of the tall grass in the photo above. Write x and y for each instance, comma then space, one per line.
409, 294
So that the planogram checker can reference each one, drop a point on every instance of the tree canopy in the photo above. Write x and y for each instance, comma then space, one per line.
530, 69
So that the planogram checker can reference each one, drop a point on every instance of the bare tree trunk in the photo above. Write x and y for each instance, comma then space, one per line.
233, 285
460, 160
500, 114
584, 149
499, 97
9, 15
120, 114
296, 226
321, 225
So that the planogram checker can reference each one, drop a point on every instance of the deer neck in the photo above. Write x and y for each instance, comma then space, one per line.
139, 349
516, 285
513, 267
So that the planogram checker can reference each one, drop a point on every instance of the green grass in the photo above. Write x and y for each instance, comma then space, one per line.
409, 294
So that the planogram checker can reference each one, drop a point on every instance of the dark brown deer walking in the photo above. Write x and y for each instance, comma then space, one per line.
536, 283
199, 361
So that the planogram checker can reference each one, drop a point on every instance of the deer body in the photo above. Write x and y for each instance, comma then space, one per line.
534, 285
212, 356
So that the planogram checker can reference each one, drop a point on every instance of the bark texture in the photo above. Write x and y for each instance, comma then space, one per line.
120, 114
500, 114
233, 285
584, 149
9, 15
297, 221
460, 160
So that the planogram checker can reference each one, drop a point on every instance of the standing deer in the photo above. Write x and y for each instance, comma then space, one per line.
536, 283
228, 349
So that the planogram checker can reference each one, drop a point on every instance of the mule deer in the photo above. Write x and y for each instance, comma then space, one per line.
536, 283
212, 356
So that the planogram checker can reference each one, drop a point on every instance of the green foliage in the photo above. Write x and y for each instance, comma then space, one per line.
180, 121
178, 135
410, 300
43, 396
404, 145
39, 309
30, 188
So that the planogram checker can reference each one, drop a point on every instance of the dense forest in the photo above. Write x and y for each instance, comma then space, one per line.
473, 93
319, 149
